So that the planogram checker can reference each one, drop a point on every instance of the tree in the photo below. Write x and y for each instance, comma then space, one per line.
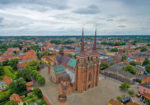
1, 70
120, 98
25, 74
38, 92
148, 102
18, 86
13, 63
131, 92
130, 69
144, 48
33, 65
124, 57
148, 68
11, 102
133, 63
103, 65
124, 86
146, 61
41, 80
114, 49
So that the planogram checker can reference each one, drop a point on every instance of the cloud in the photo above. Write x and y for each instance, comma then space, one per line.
66, 17
122, 26
110, 20
1, 19
91, 9
55, 4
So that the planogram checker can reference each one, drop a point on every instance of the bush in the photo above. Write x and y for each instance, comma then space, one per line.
41, 80
133, 63
130, 69
131, 92
38, 92
125, 86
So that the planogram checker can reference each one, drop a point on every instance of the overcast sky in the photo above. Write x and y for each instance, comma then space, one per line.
67, 17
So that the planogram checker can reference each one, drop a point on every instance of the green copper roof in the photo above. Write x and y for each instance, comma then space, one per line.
72, 62
59, 69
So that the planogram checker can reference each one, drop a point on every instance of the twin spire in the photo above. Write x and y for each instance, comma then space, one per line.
82, 41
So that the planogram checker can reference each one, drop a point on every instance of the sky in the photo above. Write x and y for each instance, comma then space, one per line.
67, 17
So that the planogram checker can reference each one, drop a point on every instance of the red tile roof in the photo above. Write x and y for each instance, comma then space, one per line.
16, 98
29, 83
7, 80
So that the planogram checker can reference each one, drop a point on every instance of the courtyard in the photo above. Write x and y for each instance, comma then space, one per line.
108, 88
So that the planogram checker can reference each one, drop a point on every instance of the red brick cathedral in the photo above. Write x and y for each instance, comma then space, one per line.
88, 67
85, 72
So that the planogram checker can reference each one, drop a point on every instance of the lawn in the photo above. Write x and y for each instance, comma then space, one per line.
8, 71
4, 96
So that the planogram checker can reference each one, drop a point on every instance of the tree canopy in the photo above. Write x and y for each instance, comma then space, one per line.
18, 86
103, 65
11, 102
130, 69
38, 92
25, 74
13, 63
33, 65
133, 63
124, 86
148, 68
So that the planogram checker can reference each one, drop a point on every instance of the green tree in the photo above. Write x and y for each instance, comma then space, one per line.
41, 80
103, 65
33, 65
11, 102
148, 102
131, 92
18, 86
133, 63
13, 63
25, 74
114, 49
35, 47
130, 69
38, 92
148, 68
124, 86
1, 70
146, 61
144, 48
124, 57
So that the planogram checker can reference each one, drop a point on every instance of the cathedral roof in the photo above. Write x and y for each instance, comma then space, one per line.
72, 62
59, 69
62, 59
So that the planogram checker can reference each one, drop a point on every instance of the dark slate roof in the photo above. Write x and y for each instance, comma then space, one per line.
143, 76
118, 69
62, 58
146, 84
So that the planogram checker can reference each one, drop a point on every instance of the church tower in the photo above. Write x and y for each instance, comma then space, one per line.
95, 65
87, 67
81, 70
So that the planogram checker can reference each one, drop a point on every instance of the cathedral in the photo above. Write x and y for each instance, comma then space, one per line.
80, 73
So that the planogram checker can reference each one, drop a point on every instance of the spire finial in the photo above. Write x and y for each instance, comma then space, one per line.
94, 45
82, 40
